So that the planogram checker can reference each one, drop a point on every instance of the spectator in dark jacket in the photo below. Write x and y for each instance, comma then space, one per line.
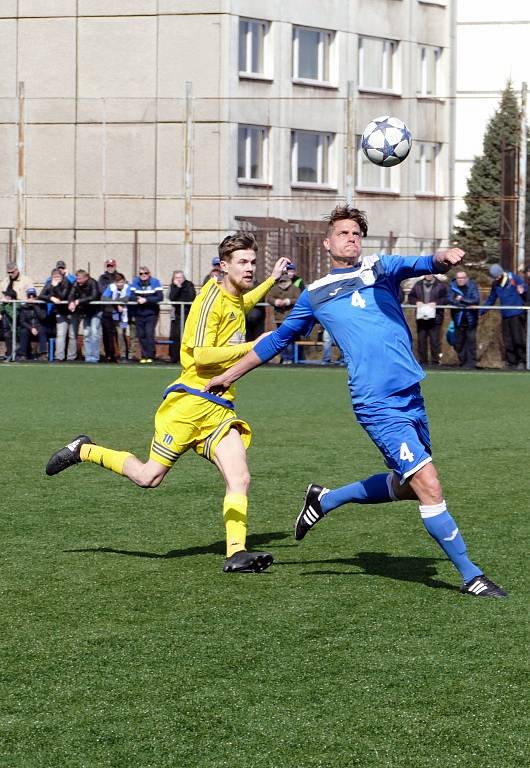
510, 291
147, 292
179, 290
85, 314
428, 294
32, 325
56, 292
108, 277
465, 297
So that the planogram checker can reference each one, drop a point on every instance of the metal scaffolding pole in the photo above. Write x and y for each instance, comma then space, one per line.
20, 237
188, 185
350, 143
522, 184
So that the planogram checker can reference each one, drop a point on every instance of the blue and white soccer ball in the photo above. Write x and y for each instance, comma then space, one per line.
386, 141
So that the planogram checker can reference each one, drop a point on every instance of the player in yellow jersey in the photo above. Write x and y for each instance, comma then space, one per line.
213, 340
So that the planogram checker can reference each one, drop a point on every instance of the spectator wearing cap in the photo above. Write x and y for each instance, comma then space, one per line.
32, 325
13, 288
282, 297
509, 290
108, 327
296, 280
56, 292
215, 272
63, 269
85, 314
147, 292
119, 293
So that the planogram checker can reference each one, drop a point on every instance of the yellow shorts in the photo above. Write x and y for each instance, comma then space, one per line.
185, 421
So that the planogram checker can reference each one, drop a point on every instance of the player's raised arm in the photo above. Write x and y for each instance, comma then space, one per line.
449, 257
258, 293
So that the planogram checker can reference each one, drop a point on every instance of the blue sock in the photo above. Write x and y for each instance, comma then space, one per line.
373, 490
441, 526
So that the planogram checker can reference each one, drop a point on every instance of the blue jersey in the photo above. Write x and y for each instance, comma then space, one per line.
360, 307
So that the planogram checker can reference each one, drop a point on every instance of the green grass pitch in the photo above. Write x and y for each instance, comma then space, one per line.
123, 644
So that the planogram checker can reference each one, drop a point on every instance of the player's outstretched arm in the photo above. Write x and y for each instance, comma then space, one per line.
224, 381
258, 293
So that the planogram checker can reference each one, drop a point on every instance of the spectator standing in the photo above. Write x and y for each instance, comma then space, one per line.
427, 295
61, 266
147, 292
119, 291
56, 292
108, 327
464, 296
527, 283
296, 280
255, 323
215, 271
33, 327
13, 288
282, 297
510, 291
179, 290
82, 293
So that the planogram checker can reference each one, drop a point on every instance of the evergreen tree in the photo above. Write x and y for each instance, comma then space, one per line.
479, 234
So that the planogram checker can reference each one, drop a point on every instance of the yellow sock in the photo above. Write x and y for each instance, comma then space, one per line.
235, 517
105, 457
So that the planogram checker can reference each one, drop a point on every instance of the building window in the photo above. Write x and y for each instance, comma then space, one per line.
375, 178
252, 154
312, 54
378, 64
253, 58
428, 69
311, 158
426, 162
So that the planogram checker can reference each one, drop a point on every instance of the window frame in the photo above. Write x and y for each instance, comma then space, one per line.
394, 69
248, 74
420, 169
422, 71
392, 174
322, 50
265, 180
326, 144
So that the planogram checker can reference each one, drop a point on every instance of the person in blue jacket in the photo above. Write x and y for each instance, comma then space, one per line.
510, 290
147, 293
464, 296
358, 303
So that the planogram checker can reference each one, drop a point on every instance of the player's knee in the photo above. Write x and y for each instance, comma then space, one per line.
426, 485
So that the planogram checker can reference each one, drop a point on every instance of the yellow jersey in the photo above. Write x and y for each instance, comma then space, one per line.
214, 333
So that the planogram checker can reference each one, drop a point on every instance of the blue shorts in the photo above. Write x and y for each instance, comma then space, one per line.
400, 429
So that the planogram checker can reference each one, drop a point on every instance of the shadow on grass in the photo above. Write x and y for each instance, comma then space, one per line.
418, 569
254, 541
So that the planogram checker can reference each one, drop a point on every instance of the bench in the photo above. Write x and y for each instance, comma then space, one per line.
304, 343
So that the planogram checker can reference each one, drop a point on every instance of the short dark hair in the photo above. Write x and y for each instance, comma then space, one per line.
341, 212
81, 273
240, 241
118, 276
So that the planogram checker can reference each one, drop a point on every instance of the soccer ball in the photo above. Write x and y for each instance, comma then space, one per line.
386, 141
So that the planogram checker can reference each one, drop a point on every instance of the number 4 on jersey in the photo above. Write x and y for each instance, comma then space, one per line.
357, 300
405, 454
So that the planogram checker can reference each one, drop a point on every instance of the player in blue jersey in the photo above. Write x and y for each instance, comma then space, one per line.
358, 303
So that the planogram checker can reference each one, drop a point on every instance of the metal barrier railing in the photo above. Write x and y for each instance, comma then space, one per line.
16, 303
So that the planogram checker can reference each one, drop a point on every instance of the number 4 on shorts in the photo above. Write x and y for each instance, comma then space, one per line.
405, 454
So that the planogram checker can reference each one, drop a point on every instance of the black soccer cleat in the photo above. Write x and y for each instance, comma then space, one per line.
67, 456
481, 586
247, 562
311, 511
